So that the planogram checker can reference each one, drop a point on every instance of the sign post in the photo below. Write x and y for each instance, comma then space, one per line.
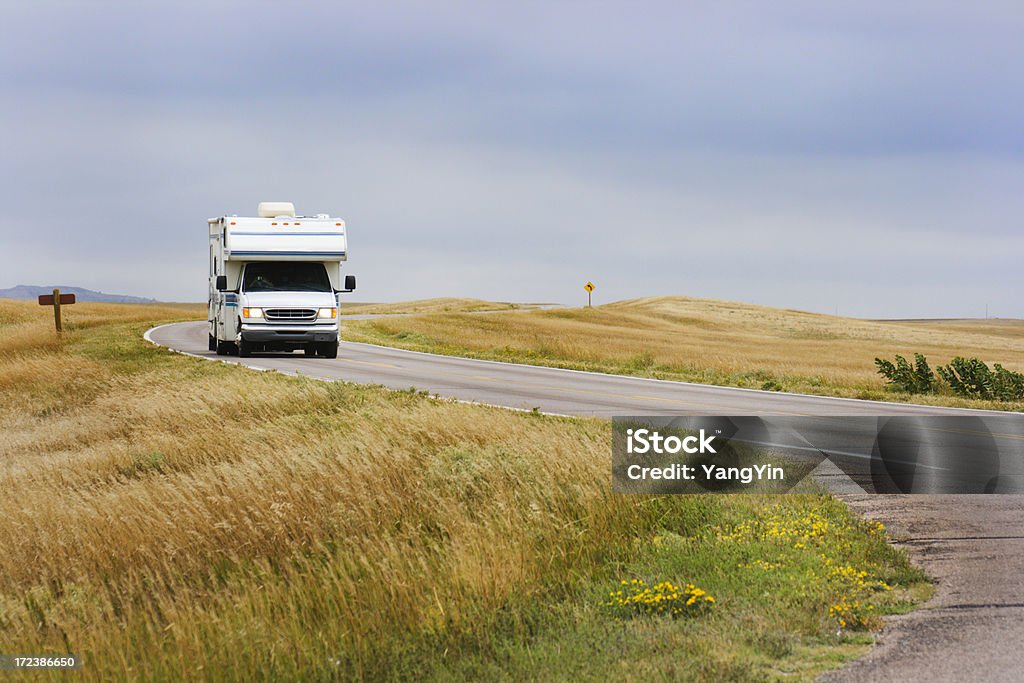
56, 311
55, 300
590, 288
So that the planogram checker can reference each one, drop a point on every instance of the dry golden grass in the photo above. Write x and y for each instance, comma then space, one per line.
152, 490
442, 305
713, 342
170, 518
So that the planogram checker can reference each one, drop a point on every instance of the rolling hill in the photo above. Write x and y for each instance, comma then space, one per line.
81, 293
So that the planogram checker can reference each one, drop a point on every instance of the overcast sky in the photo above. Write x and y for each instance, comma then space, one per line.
868, 160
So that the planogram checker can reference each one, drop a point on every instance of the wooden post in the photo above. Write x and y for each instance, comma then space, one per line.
56, 310
55, 300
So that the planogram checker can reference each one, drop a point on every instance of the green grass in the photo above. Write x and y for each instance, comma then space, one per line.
766, 624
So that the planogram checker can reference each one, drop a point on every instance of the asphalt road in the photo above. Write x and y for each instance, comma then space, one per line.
551, 390
973, 545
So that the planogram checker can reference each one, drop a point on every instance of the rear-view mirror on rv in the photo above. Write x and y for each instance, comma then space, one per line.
222, 283
350, 283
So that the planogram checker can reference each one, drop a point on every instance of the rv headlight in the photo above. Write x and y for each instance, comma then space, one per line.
327, 313
252, 312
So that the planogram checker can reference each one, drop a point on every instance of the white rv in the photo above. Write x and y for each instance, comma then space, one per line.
275, 280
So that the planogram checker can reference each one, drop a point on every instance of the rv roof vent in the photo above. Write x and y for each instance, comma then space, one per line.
275, 209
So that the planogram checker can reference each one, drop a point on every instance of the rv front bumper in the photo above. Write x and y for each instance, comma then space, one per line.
263, 334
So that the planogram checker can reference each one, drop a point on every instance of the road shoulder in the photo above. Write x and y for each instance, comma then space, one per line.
973, 627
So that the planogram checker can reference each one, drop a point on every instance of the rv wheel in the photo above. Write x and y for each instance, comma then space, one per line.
329, 350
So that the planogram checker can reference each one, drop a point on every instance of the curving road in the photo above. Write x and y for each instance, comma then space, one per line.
973, 545
551, 390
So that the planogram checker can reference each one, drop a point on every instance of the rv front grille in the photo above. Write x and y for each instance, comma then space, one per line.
291, 314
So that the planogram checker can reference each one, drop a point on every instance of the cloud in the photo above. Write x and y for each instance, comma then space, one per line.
802, 158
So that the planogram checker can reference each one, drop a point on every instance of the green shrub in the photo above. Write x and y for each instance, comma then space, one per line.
1006, 384
967, 377
916, 378
971, 378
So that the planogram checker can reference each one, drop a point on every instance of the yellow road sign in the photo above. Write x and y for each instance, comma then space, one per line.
589, 286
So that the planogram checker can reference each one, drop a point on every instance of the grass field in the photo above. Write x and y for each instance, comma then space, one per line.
169, 518
711, 342
444, 305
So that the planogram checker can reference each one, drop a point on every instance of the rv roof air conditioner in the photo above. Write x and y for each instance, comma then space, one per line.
275, 209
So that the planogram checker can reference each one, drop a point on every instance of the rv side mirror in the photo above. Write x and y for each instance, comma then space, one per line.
222, 283
350, 283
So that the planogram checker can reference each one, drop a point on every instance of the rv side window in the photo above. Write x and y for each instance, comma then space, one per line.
295, 276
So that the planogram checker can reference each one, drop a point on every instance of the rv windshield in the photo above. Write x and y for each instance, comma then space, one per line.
277, 276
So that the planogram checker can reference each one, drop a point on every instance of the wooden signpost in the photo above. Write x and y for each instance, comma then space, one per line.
56, 300
590, 288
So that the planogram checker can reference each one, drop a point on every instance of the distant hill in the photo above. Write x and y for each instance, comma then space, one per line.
81, 294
